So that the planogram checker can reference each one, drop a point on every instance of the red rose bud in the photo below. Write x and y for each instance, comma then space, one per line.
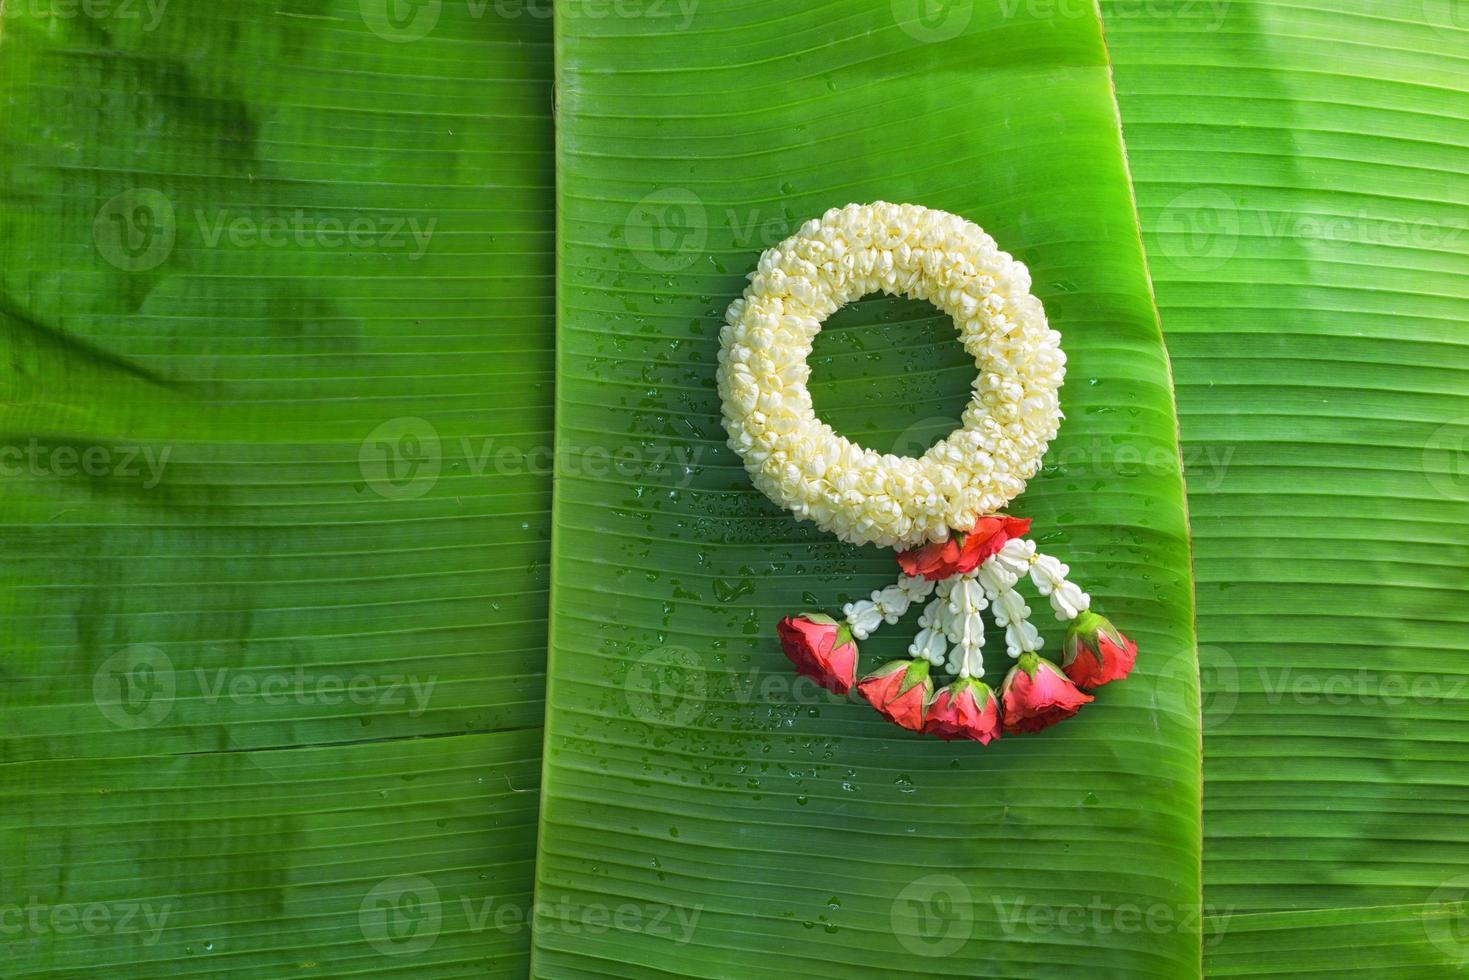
1036, 695
963, 552
965, 709
1095, 652
899, 690
821, 648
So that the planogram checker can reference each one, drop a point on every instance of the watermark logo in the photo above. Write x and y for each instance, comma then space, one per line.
1199, 229
400, 21
933, 916
1214, 676
401, 458
667, 229
1446, 459
1446, 918
667, 686
922, 435
136, 230
932, 21
135, 687
401, 916
1219, 685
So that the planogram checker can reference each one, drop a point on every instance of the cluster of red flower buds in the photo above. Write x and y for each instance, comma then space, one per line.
972, 571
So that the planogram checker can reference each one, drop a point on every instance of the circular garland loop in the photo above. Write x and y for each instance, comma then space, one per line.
858, 494
940, 509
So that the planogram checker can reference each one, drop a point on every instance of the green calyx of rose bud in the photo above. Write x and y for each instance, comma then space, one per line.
980, 688
844, 630
1030, 662
916, 674
1082, 635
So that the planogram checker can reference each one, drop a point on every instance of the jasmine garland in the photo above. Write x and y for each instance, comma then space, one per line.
939, 510
858, 494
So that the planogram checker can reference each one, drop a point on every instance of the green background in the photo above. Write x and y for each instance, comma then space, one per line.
275, 492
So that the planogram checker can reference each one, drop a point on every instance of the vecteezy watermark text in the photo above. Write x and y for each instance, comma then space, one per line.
668, 230
403, 458
144, 464
138, 686
298, 229
147, 13
1200, 229
935, 21
402, 21
138, 229
404, 916
1204, 465
1100, 916
1208, 15
38, 918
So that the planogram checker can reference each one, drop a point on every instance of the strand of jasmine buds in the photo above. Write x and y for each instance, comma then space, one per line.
1002, 571
886, 605
951, 629
997, 576
1049, 576
934, 627
967, 600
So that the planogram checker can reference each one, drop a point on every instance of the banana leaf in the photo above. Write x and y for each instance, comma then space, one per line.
1302, 180
702, 815
277, 305
226, 404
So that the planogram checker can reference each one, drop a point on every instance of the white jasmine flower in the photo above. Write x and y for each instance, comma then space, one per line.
1021, 636
916, 586
929, 645
967, 597
863, 617
1010, 608
1047, 573
891, 602
1069, 601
